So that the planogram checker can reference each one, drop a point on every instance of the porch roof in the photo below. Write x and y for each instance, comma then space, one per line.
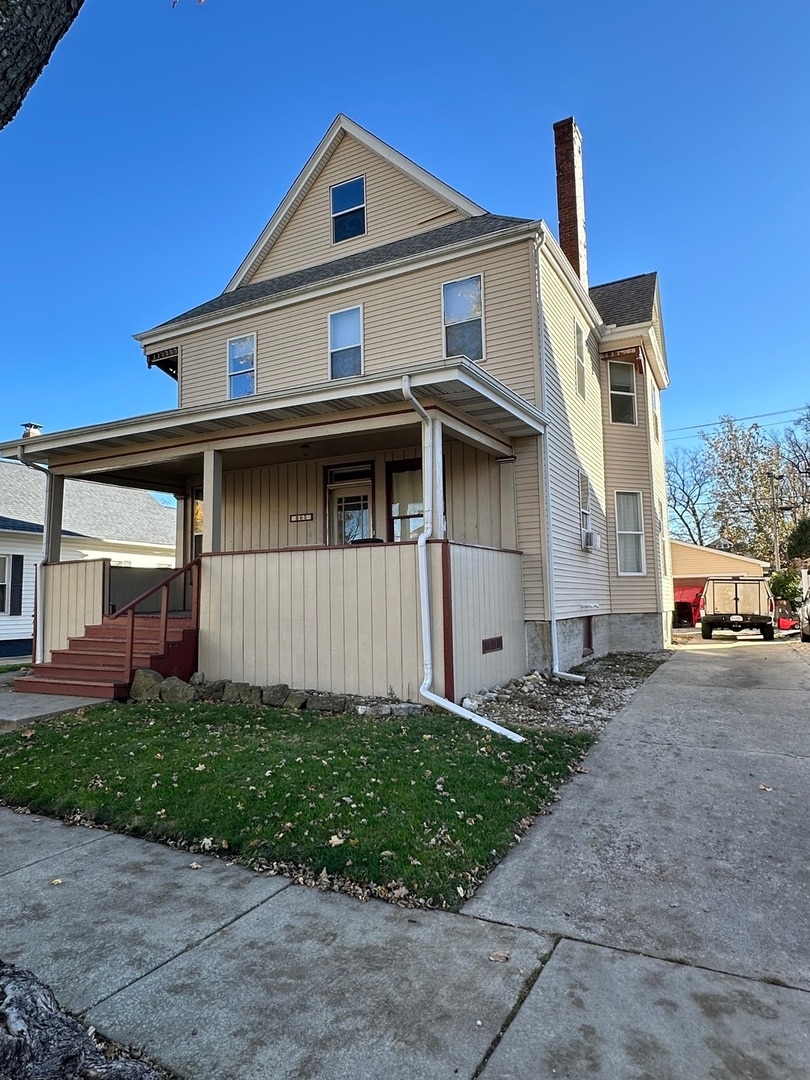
106, 451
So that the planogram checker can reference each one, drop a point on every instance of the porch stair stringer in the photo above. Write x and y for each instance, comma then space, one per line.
95, 664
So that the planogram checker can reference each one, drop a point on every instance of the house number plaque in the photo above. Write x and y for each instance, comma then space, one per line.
300, 517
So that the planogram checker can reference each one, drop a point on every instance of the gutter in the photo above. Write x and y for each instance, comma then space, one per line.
548, 562
424, 580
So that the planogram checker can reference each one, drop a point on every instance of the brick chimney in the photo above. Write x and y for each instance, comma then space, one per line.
571, 195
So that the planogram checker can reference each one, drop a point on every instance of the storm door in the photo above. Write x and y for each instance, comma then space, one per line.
349, 493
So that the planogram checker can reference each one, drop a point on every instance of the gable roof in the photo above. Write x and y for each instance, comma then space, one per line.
458, 232
340, 127
628, 301
90, 510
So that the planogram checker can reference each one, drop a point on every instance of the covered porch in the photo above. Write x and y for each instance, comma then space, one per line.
356, 537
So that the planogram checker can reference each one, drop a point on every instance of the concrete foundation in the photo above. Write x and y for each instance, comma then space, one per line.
639, 632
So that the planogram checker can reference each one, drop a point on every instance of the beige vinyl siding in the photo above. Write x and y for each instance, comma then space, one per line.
345, 620
472, 495
574, 445
530, 510
690, 560
396, 206
257, 503
627, 468
74, 597
487, 596
402, 324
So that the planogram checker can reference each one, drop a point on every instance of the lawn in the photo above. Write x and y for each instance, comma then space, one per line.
417, 810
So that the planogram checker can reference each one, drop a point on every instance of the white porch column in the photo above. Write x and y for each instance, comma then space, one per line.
54, 502
212, 500
508, 507
439, 516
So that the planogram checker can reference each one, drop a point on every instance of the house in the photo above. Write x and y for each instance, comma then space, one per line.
693, 564
118, 527
414, 451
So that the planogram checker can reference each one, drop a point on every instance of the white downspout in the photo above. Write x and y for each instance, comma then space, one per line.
424, 580
548, 562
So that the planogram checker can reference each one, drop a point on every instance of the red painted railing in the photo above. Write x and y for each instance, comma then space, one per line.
128, 610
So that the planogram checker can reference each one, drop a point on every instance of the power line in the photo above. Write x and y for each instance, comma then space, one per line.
685, 438
736, 420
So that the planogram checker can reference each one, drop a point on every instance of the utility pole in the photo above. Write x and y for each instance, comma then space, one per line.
774, 519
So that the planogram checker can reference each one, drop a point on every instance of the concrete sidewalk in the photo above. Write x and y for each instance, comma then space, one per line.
655, 923
17, 710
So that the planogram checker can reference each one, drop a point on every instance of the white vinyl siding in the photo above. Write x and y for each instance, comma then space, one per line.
630, 533
575, 445
396, 207
5, 582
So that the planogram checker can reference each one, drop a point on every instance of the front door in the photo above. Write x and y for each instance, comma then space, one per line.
349, 490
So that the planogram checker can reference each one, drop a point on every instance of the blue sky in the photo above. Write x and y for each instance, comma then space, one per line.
159, 140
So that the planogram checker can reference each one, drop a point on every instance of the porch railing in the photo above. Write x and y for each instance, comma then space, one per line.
128, 611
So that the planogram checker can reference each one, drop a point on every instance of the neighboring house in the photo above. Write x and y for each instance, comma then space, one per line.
692, 565
413, 450
120, 526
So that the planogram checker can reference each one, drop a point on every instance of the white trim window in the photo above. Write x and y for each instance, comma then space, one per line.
630, 534
580, 353
584, 502
348, 207
346, 343
5, 565
463, 317
242, 366
622, 392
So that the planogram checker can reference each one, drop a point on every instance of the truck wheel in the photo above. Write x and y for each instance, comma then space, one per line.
705, 631
767, 633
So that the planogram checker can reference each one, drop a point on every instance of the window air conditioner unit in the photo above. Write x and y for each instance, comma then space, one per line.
591, 541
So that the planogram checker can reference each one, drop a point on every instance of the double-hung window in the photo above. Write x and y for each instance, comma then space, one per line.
345, 343
405, 506
463, 318
4, 574
656, 412
242, 366
579, 348
622, 392
629, 533
348, 203
584, 502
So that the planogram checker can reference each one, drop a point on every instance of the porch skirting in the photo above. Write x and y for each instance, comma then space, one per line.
347, 619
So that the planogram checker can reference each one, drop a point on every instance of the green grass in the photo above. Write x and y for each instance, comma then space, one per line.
22, 666
416, 810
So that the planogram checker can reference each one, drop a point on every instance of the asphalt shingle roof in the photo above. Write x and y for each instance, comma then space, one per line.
93, 510
625, 302
459, 231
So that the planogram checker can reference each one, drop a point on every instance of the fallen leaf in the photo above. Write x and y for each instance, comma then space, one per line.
499, 957
195, 866
56, 881
763, 787
199, 768
336, 841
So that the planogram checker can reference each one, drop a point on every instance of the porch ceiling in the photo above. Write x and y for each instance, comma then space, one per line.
161, 450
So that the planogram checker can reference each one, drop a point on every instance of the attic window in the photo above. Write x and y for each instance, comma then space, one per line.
348, 209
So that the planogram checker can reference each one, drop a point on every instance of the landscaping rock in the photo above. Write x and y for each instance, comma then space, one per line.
146, 685
211, 691
328, 703
232, 694
406, 708
275, 695
296, 700
197, 679
175, 691
252, 695
374, 711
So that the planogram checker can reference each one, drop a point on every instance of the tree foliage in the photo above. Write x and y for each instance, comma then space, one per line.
787, 585
798, 541
740, 485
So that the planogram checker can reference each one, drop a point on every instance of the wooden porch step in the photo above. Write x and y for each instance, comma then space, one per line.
102, 689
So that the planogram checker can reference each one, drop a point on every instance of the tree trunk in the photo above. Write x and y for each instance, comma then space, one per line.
40, 1042
29, 32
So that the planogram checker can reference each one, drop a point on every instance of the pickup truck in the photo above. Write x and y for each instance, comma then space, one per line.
737, 603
